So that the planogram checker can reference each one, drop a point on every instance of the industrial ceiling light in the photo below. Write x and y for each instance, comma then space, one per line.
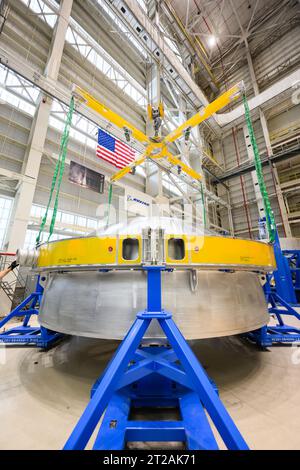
212, 40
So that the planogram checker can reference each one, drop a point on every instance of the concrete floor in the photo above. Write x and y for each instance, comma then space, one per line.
42, 394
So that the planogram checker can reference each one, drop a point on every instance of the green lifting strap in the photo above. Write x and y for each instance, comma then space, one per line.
203, 204
110, 191
270, 220
58, 174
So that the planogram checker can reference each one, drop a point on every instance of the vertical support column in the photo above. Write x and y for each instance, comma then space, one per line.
182, 118
154, 289
185, 156
198, 142
154, 185
264, 124
32, 162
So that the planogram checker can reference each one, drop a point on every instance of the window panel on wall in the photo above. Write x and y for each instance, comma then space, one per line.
78, 225
5, 211
92, 223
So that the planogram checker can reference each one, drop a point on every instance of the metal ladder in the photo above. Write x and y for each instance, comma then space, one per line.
7, 288
17, 281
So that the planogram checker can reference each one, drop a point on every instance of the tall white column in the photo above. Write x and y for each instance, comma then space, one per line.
32, 162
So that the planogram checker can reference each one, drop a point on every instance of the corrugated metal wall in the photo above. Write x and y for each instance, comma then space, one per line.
272, 63
278, 59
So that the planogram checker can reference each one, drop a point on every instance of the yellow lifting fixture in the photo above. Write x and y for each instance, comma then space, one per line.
111, 116
157, 147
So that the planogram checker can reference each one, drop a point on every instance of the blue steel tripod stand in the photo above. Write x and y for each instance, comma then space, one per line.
25, 333
280, 298
154, 376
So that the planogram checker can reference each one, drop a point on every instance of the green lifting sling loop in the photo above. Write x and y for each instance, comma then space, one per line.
203, 204
270, 220
110, 191
58, 174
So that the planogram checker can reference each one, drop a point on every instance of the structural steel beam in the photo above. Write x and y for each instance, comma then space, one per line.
249, 166
167, 51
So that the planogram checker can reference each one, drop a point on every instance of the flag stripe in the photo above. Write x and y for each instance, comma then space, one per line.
123, 154
125, 157
112, 157
104, 157
106, 152
126, 160
120, 149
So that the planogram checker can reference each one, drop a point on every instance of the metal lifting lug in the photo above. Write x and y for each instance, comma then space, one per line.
127, 134
187, 134
193, 280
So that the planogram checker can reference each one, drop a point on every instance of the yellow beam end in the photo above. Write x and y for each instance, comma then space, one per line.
108, 114
185, 168
207, 112
127, 169
120, 174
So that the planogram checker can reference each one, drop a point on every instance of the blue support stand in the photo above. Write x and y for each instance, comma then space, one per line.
154, 376
281, 332
26, 334
292, 260
280, 298
284, 285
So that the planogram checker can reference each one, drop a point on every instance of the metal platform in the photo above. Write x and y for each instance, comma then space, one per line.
156, 393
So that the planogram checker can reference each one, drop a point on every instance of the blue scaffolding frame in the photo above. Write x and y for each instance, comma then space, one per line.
292, 293
280, 296
286, 278
26, 334
154, 376
281, 332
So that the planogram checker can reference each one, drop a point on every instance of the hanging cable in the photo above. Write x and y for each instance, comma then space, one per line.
203, 205
270, 220
110, 192
58, 174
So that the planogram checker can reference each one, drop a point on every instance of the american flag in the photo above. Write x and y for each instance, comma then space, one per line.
113, 151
